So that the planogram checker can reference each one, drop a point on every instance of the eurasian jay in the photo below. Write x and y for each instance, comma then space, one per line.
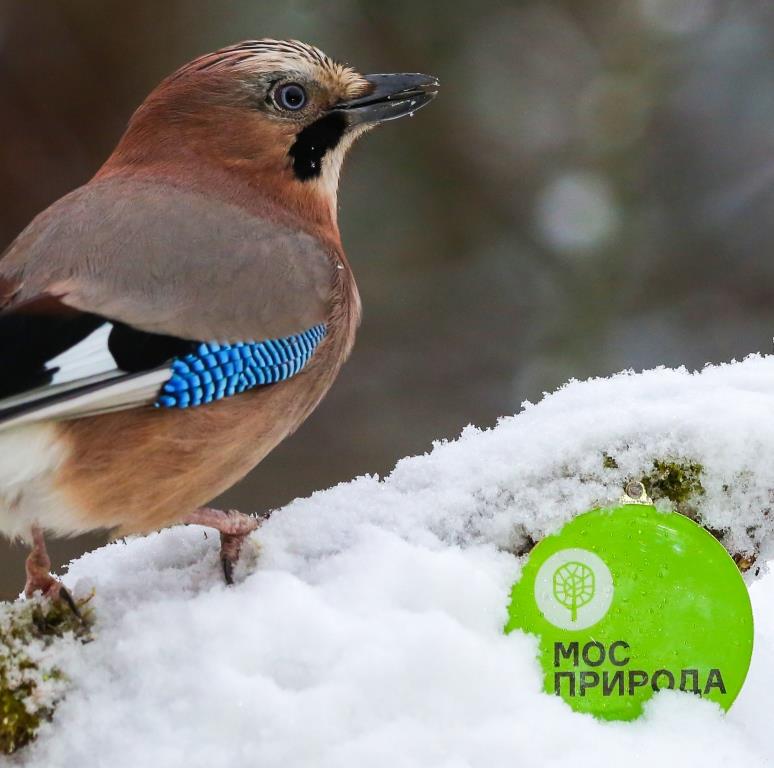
165, 326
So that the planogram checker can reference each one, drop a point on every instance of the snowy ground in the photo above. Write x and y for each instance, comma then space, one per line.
368, 632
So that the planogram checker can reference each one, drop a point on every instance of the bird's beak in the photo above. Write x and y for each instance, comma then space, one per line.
391, 97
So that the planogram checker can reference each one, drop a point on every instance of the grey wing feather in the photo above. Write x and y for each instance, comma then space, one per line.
172, 261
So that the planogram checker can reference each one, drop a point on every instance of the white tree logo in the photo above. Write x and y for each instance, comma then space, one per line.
574, 588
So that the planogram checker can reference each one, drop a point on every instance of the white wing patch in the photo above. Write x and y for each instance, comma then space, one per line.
89, 357
86, 382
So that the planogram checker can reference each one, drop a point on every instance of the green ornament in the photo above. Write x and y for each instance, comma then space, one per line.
627, 601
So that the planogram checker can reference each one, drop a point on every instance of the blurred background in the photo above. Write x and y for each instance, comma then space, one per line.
591, 191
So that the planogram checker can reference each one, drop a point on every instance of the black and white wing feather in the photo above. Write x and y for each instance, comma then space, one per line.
62, 363
59, 363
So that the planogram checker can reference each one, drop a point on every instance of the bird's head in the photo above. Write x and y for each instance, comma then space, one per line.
279, 114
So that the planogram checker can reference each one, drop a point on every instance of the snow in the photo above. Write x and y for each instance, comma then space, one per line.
368, 628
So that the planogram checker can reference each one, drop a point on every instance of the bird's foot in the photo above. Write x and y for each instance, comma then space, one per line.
234, 528
52, 589
39, 578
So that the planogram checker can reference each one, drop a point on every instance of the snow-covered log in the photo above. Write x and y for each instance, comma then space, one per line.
366, 628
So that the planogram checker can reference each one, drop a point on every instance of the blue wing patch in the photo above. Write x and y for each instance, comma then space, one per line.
214, 371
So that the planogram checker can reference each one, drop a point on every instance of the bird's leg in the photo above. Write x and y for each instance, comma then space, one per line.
234, 528
39, 578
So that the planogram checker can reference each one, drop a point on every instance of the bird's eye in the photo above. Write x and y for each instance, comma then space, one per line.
290, 96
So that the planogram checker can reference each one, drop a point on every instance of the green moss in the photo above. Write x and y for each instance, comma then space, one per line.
609, 462
678, 481
30, 684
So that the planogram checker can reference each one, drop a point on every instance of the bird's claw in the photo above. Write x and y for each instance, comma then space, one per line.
53, 590
228, 570
231, 547
234, 529
64, 594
